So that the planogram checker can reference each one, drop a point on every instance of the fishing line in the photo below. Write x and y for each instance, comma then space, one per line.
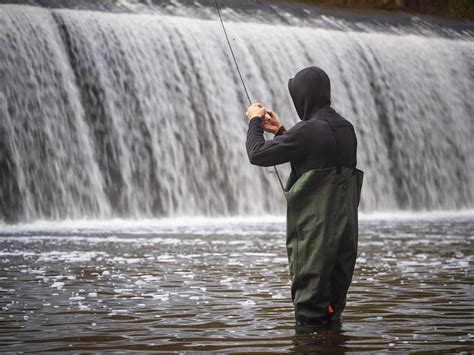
232, 52
242, 79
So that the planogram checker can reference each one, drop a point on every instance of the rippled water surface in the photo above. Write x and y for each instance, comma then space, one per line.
223, 285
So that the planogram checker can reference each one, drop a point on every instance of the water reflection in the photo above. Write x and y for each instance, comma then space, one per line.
319, 338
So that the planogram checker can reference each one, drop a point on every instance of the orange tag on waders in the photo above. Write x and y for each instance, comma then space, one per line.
329, 310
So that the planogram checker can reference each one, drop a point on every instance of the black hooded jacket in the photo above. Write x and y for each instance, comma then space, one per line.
311, 143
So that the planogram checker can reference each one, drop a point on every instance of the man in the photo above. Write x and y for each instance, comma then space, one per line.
322, 193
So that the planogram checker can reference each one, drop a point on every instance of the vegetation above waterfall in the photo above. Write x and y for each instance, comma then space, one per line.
458, 9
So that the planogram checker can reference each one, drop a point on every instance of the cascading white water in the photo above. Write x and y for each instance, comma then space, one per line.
142, 115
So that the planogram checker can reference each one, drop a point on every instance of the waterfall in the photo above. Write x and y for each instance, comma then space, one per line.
142, 115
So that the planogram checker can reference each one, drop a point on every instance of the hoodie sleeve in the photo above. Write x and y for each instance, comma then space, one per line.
283, 148
280, 131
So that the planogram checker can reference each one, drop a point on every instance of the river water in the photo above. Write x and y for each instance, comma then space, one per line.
190, 285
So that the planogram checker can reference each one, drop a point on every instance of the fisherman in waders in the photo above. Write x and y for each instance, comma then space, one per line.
322, 193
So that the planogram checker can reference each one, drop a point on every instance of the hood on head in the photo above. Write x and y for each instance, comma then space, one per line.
310, 90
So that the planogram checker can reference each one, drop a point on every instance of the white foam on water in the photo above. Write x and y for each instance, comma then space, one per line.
198, 225
77, 298
70, 256
467, 214
16, 253
247, 303
178, 224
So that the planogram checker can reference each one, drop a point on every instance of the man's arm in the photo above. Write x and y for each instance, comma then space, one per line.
285, 147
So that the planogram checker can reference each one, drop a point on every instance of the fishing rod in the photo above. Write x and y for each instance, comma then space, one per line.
242, 79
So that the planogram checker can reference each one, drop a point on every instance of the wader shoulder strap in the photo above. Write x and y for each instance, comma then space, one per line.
336, 141
355, 151
338, 151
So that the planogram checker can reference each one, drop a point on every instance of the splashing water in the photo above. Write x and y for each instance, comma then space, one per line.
142, 115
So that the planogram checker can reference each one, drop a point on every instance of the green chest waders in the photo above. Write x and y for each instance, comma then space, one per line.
322, 234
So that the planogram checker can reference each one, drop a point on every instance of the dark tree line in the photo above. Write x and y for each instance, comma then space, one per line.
462, 9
